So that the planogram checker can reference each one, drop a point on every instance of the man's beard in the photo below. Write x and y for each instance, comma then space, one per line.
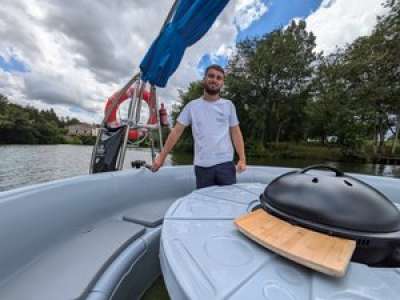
211, 91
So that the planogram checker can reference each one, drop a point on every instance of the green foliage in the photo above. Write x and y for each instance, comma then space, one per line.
305, 151
88, 140
27, 125
269, 81
287, 93
373, 72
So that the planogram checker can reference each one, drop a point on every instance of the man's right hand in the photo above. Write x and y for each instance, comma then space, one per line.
173, 137
157, 164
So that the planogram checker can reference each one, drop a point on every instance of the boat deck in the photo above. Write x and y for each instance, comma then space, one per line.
204, 256
97, 237
90, 237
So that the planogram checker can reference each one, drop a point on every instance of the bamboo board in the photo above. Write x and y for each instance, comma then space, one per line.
321, 252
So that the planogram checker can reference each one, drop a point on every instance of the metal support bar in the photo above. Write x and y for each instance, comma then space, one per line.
138, 108
95, 150
154, 94
132, 104
147, 126
118, 98
131, 110
153, 153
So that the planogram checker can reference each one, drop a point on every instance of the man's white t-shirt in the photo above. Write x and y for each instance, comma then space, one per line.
210, 122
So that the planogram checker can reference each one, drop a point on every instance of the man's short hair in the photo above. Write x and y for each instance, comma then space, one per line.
215, 67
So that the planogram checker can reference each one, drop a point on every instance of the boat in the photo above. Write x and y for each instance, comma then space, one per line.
103, 236
108, 235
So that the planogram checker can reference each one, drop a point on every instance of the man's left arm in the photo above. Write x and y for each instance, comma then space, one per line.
238, 142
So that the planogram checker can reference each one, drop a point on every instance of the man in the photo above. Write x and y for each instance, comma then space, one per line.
214, 126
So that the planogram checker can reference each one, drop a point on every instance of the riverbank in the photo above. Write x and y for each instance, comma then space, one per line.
321, 152
80, 140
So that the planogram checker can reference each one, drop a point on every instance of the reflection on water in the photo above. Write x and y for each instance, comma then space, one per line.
26, 164
371, 169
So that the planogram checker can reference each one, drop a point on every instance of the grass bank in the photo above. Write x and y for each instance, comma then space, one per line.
309, 151
296, 151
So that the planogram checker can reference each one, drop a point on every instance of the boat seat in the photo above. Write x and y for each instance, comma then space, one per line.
70, 269
149, 213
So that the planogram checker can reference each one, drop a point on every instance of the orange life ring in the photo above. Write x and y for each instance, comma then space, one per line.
112, 121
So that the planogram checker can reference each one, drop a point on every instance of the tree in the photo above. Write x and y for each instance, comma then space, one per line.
269, 80
284, 91
324, 107
373, 68
242, 89
389, 28
27, 125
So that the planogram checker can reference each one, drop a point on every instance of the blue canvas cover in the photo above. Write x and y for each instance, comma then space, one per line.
192, 19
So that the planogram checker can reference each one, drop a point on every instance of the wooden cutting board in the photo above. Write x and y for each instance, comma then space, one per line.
321, 252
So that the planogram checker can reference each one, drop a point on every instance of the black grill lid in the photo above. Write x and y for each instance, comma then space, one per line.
338, 201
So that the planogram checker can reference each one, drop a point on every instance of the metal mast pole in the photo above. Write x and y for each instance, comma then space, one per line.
118, 98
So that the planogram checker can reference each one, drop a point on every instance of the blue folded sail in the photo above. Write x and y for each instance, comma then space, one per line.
192, 19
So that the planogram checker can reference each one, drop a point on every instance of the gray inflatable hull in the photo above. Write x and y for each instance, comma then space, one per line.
98, 236
88, 237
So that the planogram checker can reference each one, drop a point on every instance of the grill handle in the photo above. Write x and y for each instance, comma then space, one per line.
322, 167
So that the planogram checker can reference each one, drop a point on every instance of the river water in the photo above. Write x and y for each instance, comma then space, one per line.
29, 164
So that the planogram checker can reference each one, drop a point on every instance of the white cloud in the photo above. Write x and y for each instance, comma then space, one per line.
339, 22
78, 53
249, 11
11, 85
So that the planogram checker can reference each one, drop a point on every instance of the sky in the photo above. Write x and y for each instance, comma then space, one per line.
72, 55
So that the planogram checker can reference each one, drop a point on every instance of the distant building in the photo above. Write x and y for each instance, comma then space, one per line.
95, 130
82, 129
